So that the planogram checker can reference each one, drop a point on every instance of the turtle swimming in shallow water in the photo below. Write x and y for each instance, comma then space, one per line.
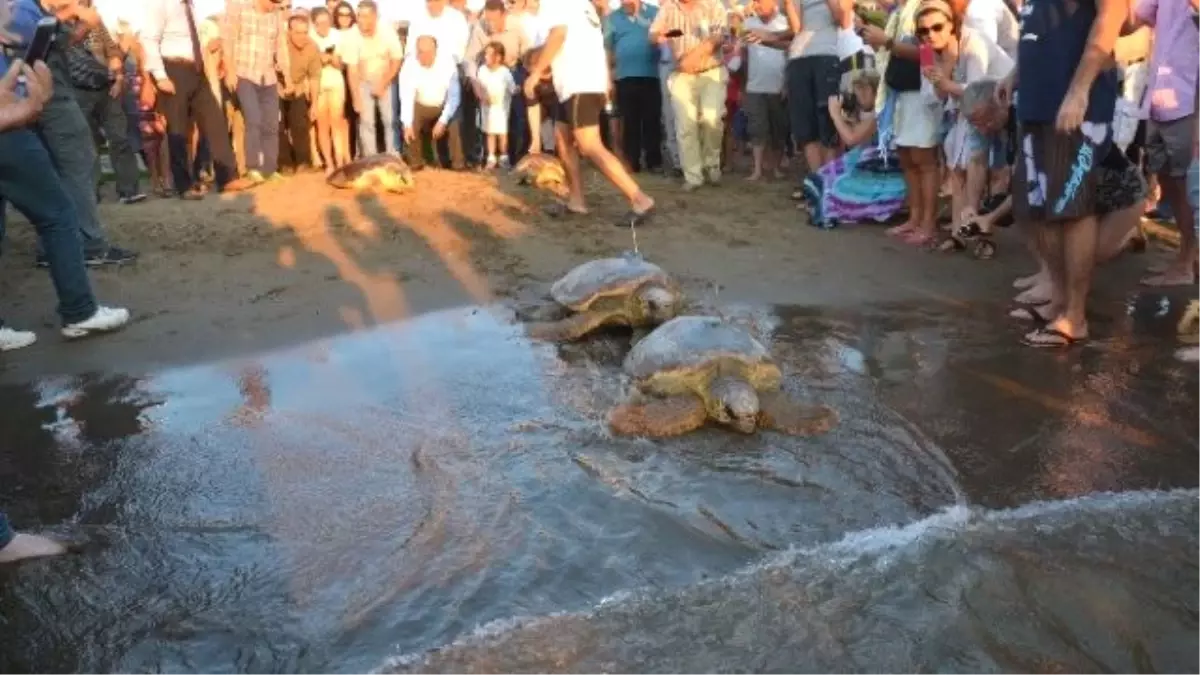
377, 172
624, 291
693, 369
541, 171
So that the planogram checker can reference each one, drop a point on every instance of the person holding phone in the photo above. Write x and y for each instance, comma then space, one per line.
62, 124
695, 31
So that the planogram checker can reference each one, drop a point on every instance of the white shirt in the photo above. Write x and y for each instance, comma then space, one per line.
119, 16
165, 34
498, 84
581, 66
765, 65
450, 30
995, 21
432, 87
372, 54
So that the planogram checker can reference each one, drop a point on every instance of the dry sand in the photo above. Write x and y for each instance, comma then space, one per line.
298, 260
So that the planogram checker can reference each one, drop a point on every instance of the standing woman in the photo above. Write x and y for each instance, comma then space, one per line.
333, 131
909, 119
344, 21
813, 75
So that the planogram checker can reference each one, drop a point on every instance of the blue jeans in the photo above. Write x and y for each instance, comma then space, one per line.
1193, 188
6, 533
28, 180
68, 139
260, 108
366, 121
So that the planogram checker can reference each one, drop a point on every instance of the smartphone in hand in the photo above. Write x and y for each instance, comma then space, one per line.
43, 39
926, 55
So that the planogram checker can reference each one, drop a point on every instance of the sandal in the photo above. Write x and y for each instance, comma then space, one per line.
635, 219
561, 210
1028, 314
1058, 339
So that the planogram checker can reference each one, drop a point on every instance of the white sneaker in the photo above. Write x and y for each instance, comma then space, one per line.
25, 546
491, 163
15, 339
105, 320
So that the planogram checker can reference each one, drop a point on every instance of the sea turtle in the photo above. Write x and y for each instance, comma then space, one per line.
542, 171
697, 368
622, 291
385, 172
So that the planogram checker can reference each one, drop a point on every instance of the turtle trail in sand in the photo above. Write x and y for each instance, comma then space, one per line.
624, 291
384, 173
693, 369
542, 171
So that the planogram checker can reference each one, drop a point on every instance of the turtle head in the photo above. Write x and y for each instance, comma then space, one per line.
658, 303
734, 403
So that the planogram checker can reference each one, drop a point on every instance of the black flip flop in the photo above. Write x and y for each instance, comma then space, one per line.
635, 219
1066, 341
560, 210
1031, 315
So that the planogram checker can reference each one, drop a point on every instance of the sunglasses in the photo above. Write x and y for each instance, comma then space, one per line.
926, 30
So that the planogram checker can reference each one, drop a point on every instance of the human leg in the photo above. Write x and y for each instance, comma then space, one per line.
711, 100
685, 102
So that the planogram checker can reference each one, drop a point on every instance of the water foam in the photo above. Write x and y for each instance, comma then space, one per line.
880, 546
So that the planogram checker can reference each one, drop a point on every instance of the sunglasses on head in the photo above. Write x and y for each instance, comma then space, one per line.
926, 30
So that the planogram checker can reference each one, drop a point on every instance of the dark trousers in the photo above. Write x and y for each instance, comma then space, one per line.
260, 108
193, 102
105, 114
518, 119
424, 119
29, 180
468, 109
640, 101
295, 151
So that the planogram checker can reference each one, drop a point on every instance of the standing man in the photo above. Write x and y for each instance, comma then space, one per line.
698, 85
171, 44
635, 61
255, 50
372, 56
1169, 106
298, 99
497, 26
573, 52
63, 127
1065, 108
430, 97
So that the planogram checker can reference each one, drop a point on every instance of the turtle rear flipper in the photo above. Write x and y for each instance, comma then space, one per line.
658, 417
571, 328
779, 412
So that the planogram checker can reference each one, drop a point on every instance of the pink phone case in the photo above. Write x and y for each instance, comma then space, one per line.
926, 53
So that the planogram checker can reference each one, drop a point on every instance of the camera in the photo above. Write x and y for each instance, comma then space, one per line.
849, 103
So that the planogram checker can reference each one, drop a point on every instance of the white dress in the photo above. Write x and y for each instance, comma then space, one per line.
331, 77
499, 86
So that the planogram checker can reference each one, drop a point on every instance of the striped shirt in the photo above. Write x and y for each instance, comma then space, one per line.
255, 42
699, 20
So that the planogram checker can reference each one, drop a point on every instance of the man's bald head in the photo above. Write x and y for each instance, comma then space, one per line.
426, 50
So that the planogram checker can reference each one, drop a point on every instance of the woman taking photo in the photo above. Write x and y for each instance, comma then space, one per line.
333, 131
909, 119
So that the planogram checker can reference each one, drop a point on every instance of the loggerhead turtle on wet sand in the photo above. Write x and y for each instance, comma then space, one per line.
377, 172
623, 291
693, 369
542, 171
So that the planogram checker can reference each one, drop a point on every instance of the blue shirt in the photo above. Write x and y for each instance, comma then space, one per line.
1052, 44
629, 39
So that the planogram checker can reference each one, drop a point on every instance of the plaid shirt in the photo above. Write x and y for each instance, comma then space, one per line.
698, 19
255, 43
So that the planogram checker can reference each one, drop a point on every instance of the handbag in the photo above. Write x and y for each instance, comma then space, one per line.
902, 74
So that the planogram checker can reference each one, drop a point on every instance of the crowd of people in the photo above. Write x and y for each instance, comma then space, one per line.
1067, 117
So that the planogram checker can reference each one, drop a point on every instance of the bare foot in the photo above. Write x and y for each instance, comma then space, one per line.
1026, 282
901, 230
24, 546
757, 175
1172, 276
1039, 294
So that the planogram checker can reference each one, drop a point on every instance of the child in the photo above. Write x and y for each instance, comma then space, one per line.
864, 184
498, 86
152, 127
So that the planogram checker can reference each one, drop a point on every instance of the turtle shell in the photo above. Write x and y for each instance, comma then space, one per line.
532, 166
605, 277
687, 344
348, 175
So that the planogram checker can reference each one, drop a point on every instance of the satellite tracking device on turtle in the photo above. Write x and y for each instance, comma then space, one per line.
43, 38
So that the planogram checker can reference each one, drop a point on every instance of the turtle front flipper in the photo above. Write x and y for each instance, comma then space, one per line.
1189, 323
571, 328
659, 417
778, 411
